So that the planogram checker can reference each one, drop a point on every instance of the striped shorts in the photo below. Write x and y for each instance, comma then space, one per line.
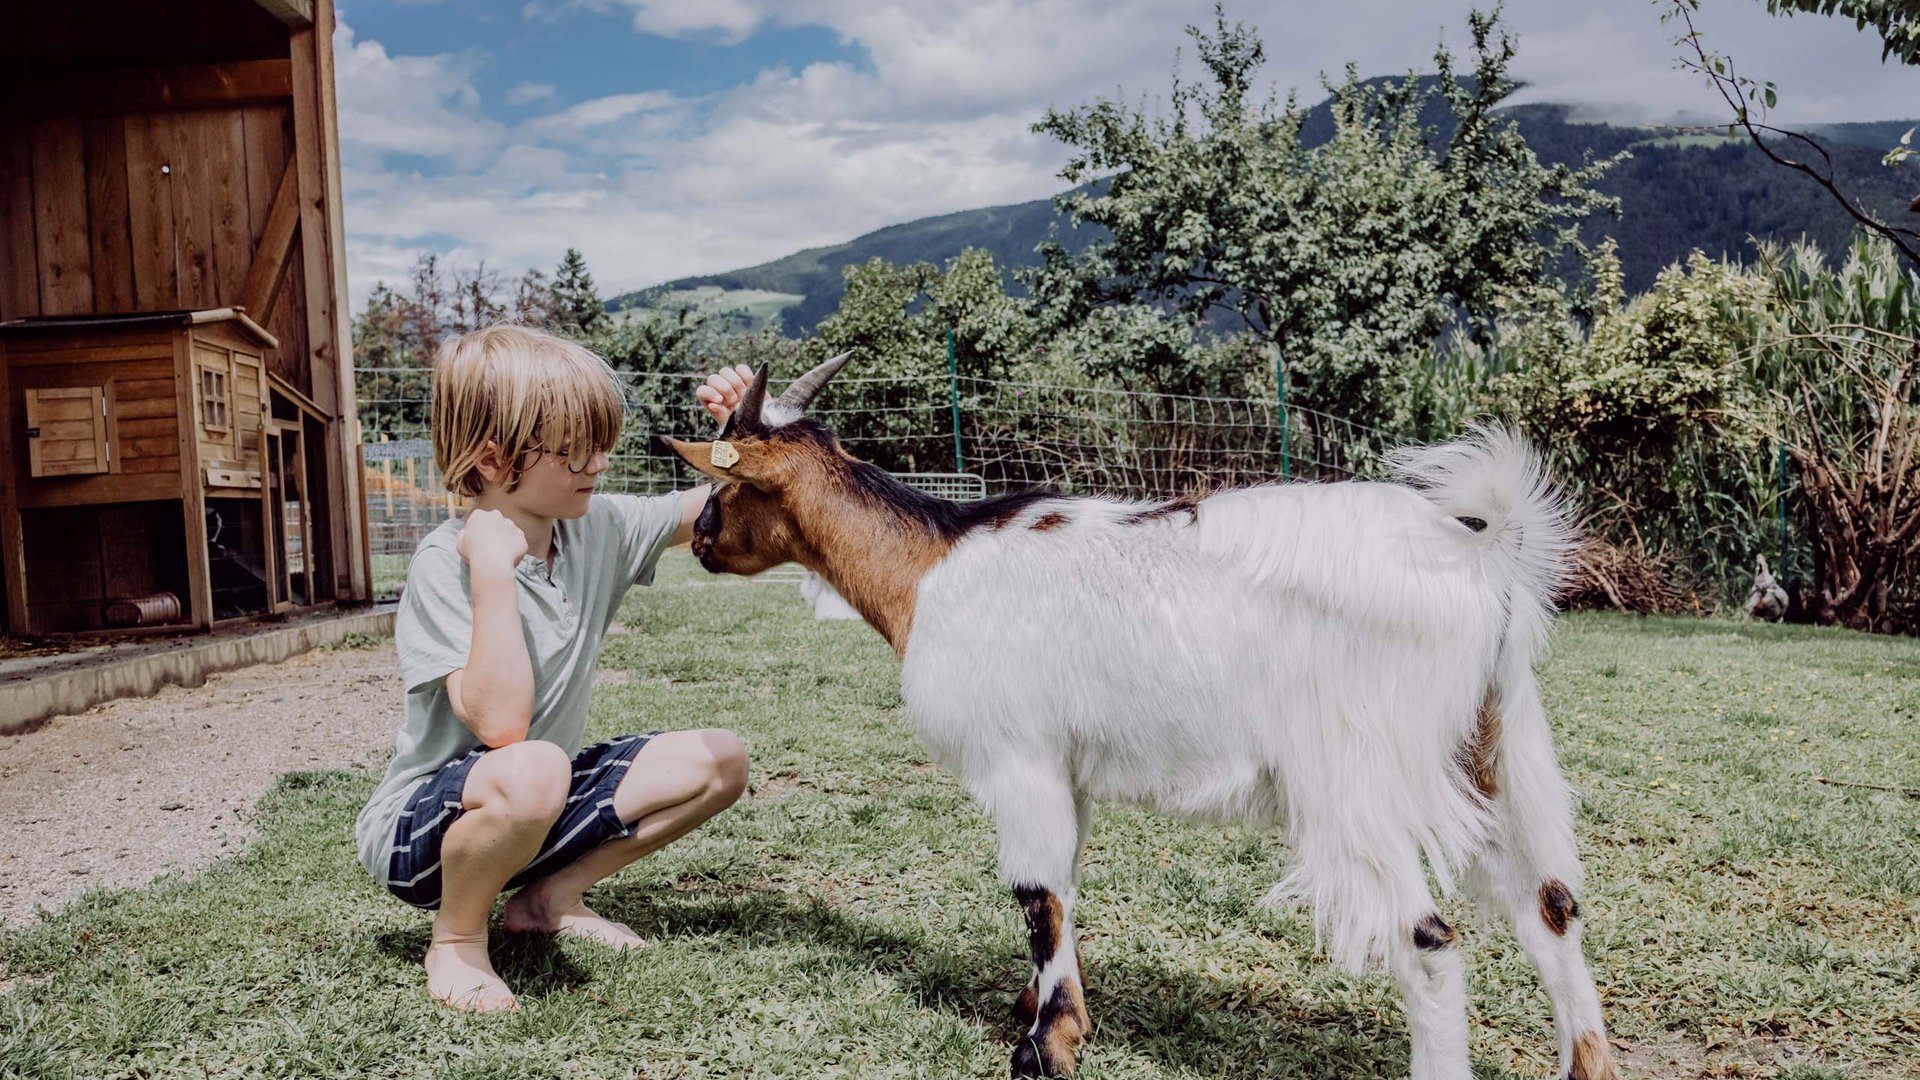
589, 820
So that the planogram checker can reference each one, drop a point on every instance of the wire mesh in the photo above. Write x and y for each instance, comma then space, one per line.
1012, 435
1123, 442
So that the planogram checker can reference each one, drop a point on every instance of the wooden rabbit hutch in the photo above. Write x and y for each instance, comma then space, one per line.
178, 445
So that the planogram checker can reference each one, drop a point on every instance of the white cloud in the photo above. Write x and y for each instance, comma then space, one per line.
945, 56
527, 93
576, 120
421, 105
728, 20
936, 116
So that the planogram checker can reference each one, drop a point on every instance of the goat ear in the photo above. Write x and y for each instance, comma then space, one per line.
720, 459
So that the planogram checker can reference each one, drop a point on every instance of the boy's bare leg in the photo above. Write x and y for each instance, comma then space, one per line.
678, 780
513, 795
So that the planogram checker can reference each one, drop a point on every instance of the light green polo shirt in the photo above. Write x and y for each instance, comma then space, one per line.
597, 558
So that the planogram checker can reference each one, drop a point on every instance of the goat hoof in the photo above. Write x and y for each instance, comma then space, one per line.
1031, 1061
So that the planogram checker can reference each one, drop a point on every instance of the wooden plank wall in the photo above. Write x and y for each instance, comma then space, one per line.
152, 211
268, 138
142, 432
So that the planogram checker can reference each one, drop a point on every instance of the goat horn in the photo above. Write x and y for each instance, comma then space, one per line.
801, 391
748, 411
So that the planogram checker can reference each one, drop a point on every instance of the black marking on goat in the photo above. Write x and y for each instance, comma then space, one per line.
1558, 908
946, 520
1047, 522
1473, 523
1061, 1023
1432, 933
1185, 504
1044, 919
705, 527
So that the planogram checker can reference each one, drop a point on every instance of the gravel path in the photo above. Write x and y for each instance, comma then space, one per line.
133, 788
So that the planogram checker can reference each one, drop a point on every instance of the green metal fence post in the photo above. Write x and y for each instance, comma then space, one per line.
953, 385
1280, 380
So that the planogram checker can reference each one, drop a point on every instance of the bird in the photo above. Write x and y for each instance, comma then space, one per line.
1768, 600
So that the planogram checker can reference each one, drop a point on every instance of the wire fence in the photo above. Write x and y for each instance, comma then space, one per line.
990, 436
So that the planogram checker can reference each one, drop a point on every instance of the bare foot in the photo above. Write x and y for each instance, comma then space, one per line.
461, 976
529, 913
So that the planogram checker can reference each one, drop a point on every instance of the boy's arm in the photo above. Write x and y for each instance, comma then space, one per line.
719, 394
493, 694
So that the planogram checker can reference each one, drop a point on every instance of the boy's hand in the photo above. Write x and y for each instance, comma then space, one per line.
490, 539
723, 390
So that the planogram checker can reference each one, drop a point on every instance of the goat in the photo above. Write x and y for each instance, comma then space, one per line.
1350, 662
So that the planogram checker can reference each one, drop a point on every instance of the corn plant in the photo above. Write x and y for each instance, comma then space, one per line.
1839, 375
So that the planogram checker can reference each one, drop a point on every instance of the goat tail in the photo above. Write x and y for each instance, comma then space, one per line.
1493, 481
1494, 475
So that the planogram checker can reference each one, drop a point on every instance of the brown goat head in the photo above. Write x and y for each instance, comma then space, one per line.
766, 452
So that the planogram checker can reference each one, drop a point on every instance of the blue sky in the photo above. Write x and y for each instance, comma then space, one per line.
673, 137
523, 58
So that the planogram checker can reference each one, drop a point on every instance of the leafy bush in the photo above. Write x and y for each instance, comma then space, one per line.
1632, 406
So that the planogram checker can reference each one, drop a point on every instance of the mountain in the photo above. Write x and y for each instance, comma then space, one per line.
1680, 190
813, 275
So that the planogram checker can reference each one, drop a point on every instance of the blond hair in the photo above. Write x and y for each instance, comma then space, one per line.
523, 390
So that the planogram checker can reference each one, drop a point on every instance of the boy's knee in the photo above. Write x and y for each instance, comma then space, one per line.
729, 776
528, 781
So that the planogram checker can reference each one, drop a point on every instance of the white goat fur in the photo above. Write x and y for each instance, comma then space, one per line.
1311, 656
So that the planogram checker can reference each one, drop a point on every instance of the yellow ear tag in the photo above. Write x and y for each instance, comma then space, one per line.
724, 454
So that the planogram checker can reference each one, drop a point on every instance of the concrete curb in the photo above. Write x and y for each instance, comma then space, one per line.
27, 702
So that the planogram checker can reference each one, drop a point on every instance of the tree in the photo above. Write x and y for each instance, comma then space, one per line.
534, 303
578, 303
900, 315
476, 299
1630, 401
1353, 256
390, 383
1896, 21
424, 314
1750, 100
396, 335
658, 340
896, 320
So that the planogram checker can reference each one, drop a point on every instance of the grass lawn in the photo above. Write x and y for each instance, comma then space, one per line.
844, 919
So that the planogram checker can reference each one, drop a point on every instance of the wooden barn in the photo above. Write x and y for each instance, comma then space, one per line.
178, 442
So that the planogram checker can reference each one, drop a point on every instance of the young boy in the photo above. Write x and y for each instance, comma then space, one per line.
498, 632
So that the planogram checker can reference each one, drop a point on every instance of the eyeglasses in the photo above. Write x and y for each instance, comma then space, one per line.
586, 460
